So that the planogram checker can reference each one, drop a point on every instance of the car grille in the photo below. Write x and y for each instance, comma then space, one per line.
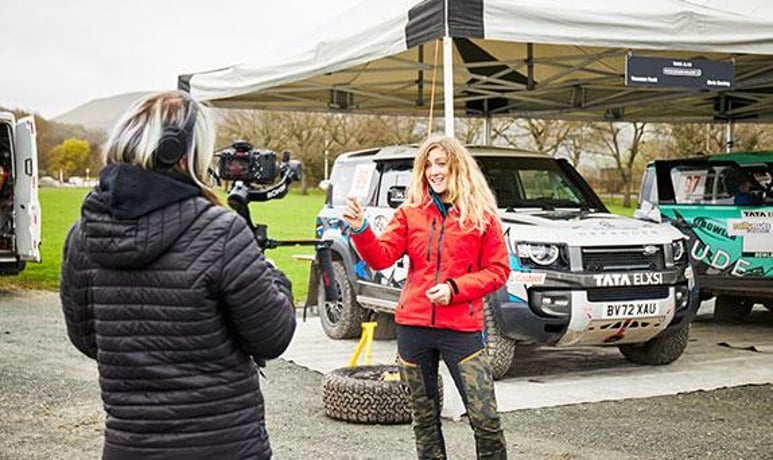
627, 293
621, 258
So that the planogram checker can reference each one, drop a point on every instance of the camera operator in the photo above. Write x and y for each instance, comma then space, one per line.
171, 295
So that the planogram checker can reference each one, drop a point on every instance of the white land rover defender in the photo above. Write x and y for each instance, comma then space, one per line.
19, 206
580, 275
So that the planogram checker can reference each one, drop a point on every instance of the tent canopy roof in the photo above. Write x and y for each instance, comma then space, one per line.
530, 58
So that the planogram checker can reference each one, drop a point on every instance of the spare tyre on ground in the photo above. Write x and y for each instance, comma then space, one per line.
368, 394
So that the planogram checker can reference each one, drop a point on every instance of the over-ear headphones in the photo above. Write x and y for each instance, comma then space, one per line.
175, 141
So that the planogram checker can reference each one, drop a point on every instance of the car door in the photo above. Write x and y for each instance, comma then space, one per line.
728, 236
26, 204
394, 176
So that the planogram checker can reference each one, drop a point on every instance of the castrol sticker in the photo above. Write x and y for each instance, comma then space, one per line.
527, 278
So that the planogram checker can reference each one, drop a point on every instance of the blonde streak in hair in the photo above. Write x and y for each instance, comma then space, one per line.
477, 197
416, 189
123, 141
487, 198
150, 135
135, 133
201, 154
116, 143
204, 146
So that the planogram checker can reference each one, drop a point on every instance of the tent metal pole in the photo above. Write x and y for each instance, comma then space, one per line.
448, 84
420, 79
486, 123
729, 141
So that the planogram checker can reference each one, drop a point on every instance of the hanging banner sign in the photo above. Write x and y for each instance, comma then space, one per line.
689, 73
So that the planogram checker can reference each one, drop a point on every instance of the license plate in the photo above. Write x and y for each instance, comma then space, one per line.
630, 310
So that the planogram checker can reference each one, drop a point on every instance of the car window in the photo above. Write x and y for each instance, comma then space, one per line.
649, 192
394, 173
352, 177
715, 184
530, 182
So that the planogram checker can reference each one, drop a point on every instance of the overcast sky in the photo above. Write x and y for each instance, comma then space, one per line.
58, 54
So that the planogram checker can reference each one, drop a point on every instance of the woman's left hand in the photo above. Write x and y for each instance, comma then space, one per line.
439, 294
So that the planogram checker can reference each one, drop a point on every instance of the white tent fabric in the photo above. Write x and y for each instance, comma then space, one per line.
742, 26
544, 58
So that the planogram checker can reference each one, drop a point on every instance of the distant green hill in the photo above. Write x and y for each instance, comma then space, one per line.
100, 113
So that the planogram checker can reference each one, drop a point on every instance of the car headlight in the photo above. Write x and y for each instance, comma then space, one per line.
677, 250
540, 254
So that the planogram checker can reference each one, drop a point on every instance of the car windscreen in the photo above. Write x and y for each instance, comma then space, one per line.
532, 182
720, 183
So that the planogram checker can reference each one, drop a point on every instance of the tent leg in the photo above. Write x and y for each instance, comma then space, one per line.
729, 141
448, 84
487, 130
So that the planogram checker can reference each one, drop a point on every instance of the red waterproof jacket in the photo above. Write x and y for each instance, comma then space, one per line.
473, 263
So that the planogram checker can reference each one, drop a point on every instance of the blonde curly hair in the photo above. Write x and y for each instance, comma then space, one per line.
467, 189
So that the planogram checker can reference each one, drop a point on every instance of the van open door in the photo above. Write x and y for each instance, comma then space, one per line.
26, 205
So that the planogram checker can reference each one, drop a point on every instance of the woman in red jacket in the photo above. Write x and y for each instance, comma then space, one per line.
449, 229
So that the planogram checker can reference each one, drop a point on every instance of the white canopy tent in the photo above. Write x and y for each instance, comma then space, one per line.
526, 58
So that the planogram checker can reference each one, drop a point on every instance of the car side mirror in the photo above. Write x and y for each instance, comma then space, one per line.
328, 188
648, 211
396, 195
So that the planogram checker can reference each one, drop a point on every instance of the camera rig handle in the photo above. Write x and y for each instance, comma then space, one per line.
242, 194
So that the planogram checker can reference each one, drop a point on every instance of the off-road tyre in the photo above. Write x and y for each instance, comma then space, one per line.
360, 394
499, 348
343, 318
731, 309
386, 328
664, 348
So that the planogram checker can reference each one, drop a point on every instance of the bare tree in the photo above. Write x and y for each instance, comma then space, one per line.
613, 141
576, 141
470, 131
540, 135
309, 135
507, 131
547, 136
687, 139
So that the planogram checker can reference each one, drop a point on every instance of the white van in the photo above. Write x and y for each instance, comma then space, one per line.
19, 205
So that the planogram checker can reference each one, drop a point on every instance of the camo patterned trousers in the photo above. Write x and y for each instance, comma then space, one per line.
420, 350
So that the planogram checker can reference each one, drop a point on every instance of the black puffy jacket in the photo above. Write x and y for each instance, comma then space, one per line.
173, 298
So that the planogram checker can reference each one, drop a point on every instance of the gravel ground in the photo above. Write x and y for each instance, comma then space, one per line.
50, 408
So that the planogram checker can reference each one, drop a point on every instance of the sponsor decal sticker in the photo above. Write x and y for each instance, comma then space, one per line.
628, 279
763, 213
527, 278
745, 226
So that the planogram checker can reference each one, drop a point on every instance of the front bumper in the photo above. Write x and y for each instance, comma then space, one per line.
590, 320
735, 285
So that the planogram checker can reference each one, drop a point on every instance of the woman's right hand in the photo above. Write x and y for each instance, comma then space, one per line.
353, 214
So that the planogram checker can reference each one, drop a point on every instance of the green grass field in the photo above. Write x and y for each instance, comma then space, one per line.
290, 218
293, 217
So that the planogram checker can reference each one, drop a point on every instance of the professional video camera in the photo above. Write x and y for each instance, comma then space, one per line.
257, 176
243, 163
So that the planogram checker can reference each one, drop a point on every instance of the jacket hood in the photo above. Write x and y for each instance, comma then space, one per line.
134, 215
